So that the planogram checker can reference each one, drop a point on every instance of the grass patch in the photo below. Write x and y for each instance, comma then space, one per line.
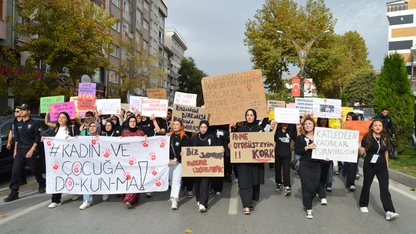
406, 162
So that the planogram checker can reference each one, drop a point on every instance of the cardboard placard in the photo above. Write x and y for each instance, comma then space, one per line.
361, 126
158, 93
326, 108
108, 106
157, 107
191, 116
187, 99
46, 101
252, 147
271, 104
86, 96
68, 107
286, 115
203, 161
336, 144
136, 103
305, 105
228, 96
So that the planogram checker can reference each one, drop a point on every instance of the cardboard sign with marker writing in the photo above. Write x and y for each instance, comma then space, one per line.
191, 116
252, 147
203, 161
228, 96
156, 93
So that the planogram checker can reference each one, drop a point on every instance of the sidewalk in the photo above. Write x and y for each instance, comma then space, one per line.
398, 176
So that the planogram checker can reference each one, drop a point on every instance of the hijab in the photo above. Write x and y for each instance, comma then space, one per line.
255, 117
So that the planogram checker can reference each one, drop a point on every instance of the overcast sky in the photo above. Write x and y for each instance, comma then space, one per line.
214, 30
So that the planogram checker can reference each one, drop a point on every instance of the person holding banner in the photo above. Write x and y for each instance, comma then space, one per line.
283, 154
94, 129
250, 175
131, 130
110, 129
62, 129
178, 139
351, 168
309, 169
375, 146
325, 181
201, 184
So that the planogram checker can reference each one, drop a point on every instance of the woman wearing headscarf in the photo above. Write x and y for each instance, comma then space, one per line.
250, 175
110, 129
94, 129
131, 130
201, 184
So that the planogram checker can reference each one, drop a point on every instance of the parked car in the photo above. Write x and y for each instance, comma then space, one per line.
6, 156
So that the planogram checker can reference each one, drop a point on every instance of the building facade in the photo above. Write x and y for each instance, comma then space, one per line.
402, 34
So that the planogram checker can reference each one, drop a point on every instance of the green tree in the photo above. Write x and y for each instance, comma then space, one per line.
190, 79
360, 86
139, 68
392, 91
72, 34
273, 53
348, 55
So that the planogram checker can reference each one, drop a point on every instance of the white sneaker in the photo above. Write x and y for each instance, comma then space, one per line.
75, 197
364, 209
149, 195
391, 216
53, 205
218, 193
324, 201
85, 205
329, 189
202, 208
105, 197
352, 188
174, 205
309, 214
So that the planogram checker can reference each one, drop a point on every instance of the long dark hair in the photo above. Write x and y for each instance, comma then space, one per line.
384, 142
353, 115
68, 122
318, 122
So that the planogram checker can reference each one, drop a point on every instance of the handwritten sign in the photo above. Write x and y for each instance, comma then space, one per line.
336, 144
305, 105
252, 147
68, 107
228, 96
286, 115
46, 101
158, 107
106, 165
201, 161
362, 126
191, 116
187, 99
326, 108
86, 96
271, 104
108, 106
136, 103
158, 93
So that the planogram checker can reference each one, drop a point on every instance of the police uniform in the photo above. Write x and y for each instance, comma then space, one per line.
27, 134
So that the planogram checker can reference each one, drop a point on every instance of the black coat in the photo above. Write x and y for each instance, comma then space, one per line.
250, 174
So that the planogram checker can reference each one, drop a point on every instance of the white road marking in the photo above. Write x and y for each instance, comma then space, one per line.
233, 206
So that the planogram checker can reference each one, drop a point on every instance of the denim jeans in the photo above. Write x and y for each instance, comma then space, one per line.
87, 197
175, 177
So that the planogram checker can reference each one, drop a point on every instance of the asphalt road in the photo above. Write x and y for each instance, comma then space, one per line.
274, 213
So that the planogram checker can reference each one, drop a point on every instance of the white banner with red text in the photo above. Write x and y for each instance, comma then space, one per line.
106, 165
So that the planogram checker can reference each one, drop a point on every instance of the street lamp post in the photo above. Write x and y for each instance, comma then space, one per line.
302, 52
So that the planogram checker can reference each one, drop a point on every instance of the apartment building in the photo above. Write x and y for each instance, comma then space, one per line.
402, 34
143, 20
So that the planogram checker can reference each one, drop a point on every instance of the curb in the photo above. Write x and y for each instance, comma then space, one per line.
398, 176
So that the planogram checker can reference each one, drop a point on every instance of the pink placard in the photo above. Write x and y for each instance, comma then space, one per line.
68, 107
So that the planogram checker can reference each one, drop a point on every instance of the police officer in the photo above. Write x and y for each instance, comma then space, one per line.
27, 137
